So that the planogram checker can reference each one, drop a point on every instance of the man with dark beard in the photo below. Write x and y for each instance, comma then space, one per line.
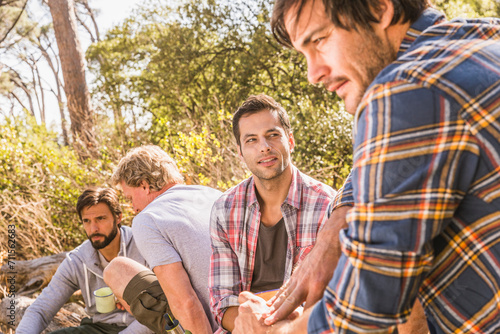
100, 213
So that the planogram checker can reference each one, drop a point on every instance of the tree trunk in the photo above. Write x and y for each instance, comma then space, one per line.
73, 68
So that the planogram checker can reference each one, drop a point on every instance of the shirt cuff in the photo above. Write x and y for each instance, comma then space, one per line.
223, 305
317, 323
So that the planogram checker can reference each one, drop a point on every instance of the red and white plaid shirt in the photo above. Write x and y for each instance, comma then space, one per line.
234, 229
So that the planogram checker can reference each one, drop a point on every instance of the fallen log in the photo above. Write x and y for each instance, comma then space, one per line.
20, 280
69, 315
24, 278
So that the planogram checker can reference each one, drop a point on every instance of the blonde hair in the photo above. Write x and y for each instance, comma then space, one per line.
147, 163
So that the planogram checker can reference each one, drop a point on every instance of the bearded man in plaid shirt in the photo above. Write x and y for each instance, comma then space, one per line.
425, 221
265, 225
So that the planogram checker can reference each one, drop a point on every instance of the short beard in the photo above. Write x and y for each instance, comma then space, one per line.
378, 56
107, 238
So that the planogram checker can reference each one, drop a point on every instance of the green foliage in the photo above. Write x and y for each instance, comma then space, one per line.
190, 67
9, 12
5, 83
173, 77
190, 72
469, 8
42, 181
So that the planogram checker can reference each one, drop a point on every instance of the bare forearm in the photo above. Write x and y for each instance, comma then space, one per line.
311, 277
182, 299
328, 237
191, 315
229, 317
249, 320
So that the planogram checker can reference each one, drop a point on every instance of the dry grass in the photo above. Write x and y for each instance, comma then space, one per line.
35, 234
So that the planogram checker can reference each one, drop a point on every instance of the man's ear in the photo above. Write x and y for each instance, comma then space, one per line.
144, 185
385, 13
291, 141
238, 148
119, 219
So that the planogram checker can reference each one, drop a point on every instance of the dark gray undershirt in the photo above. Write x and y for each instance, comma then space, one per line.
270, 258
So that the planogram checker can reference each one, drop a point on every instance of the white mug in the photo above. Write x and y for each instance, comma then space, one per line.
104, 300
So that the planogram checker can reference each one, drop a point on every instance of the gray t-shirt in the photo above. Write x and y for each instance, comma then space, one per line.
104, 262
175, 228
270, 257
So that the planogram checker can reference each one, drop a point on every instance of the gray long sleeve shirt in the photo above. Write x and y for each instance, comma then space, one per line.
81, 270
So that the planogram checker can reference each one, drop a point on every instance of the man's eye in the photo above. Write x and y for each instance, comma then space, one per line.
317, 40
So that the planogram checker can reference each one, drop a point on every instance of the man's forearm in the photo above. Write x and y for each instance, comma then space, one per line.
229, 317
328, 237
311, 277
249, 321
182, 299
191, 315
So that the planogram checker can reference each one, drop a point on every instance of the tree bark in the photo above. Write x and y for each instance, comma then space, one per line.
69, 315
75, 86
32, 275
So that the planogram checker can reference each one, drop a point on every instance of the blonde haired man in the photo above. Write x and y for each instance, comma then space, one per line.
172, 233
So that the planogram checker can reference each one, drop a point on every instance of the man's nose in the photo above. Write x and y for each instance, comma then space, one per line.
94, 228
264, 146
316, 70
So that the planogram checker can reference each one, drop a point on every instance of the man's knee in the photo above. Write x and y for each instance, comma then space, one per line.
119, 272
113, 268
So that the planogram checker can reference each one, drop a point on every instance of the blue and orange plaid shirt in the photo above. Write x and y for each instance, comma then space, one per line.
426, 188
234, 228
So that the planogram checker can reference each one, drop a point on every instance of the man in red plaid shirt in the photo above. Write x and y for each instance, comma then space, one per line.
265, 225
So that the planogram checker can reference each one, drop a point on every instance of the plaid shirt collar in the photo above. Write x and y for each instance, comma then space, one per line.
294, 193
428, 18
